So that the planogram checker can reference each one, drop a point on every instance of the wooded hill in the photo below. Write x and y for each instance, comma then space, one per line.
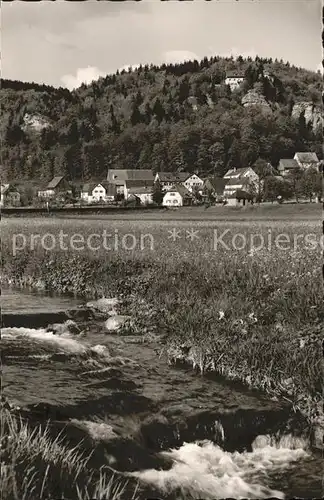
168, 117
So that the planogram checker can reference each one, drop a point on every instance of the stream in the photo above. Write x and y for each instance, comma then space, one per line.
166, 425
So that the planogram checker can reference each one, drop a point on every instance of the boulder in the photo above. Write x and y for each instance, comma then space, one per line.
80, 314
115, 323
253, 98
68, 326
105, 305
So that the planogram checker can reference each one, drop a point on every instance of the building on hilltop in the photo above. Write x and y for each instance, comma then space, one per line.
234, 79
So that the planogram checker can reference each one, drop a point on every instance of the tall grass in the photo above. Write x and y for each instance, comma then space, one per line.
35, 466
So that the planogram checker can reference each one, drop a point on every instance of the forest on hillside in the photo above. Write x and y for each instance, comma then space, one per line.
171, 117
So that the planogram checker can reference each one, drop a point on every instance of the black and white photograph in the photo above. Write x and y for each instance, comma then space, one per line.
162, 313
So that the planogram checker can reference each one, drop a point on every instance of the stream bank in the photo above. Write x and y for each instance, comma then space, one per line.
128, 406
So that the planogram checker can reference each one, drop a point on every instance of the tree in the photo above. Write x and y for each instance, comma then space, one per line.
157, 193
310, 184
183, 91
158, 110
263, 169
277, 189
295, 177
136, 116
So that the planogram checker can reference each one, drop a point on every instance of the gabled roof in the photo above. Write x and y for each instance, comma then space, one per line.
173, 176
288, 164
140, 190
217, 183
237, 172
119, 175
90, 186
182, 190
237, 182
4, 188
307, 157
55, 182
7, 188
235, 74
137, 183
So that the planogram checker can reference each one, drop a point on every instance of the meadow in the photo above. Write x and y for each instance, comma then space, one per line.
247, 305
228, 285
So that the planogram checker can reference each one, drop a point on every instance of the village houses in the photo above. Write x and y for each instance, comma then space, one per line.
94, 192
10, 196
56, 188
167, 180
118, 178
307, 160
178, 196
140, 189
287, 166
194, 183
214, 186
243, 181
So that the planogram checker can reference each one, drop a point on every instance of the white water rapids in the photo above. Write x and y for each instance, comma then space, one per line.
204, 470
200, 469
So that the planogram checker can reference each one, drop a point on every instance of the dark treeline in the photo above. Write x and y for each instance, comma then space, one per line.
169, 117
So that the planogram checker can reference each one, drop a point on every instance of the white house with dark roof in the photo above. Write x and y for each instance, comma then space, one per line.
234, 79
178, 196
241, 179
238, 173
307, 160
168, 180
96, 192
234, 185
194, 183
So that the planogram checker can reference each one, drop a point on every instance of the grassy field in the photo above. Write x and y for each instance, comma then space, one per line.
224, 301
267, 210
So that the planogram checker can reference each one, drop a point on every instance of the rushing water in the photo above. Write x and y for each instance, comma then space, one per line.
96, 375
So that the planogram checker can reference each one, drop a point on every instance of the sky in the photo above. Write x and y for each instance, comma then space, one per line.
64, 43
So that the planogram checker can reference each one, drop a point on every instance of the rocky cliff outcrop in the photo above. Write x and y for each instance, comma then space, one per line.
253, 98
312, 114
35, 122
